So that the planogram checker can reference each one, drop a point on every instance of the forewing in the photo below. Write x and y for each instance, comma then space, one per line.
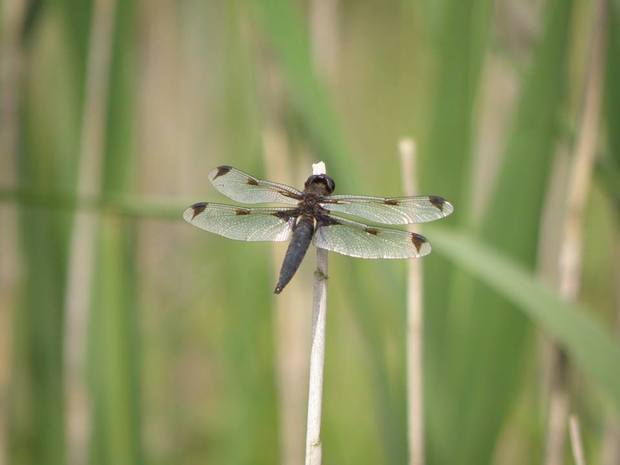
245, 224
245, 188
362, 241
391, 210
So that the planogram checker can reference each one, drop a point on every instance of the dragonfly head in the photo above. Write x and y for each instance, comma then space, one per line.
320, 184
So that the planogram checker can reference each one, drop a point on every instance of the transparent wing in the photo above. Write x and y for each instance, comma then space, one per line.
362, 241
391, 210
245, 188
245, 224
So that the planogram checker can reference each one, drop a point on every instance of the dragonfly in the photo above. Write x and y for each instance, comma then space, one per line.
315, 215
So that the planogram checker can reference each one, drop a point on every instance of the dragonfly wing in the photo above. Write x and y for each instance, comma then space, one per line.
363, 241
242, 187
391, 210
245, 224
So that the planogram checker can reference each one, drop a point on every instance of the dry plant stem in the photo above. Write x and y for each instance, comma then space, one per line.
415, 399
570, 254
82, 247
583, 161
575, 441
317, 352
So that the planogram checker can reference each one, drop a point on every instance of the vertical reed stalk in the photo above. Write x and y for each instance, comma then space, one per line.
317, 351
571, 245
415, 402
84, 234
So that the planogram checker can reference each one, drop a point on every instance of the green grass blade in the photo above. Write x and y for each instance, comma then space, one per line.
591, 347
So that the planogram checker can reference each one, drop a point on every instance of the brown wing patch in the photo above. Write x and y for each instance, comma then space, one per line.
222, 170
372, 231
252, 182
242, 211
418, 241
437, 201
198, 208
286, 214
391, 202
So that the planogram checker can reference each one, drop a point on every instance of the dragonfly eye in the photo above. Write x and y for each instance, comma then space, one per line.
331, 185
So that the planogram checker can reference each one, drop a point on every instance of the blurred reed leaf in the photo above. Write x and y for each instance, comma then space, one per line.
114, 349
592, 348
488, 343
76, 15
445, 163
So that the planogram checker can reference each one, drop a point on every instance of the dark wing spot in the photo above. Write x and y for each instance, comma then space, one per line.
252, 182
222, 170
418, 241
391, 202
372, 231
198, 208
437, 201
242, 211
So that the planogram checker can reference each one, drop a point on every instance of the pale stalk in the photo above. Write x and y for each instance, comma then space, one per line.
415, 402
317, 352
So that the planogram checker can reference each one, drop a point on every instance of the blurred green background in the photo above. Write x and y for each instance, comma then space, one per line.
129, 337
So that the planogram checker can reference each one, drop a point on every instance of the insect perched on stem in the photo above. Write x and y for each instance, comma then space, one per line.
312, 216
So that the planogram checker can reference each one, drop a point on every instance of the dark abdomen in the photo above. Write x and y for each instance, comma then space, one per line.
302, 235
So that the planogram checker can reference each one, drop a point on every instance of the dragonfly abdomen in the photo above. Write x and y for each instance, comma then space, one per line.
302, 236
